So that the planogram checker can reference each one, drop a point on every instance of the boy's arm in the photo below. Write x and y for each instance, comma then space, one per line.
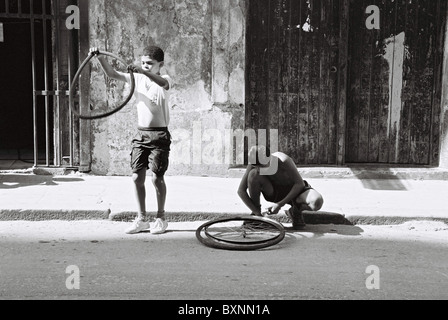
110, 71
242, 192
159, 80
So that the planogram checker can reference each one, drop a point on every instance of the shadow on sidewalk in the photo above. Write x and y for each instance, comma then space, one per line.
14, 181
379, 179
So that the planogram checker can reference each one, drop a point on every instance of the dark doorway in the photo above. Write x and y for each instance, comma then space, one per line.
16, 88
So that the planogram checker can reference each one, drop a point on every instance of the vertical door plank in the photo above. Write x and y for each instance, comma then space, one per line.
333, 20
342, 83
384, 79
375, 93
293, 85
398, 115
283, 51
274, 66
324, 81
440, 19
390, 47
354, 81
259, 46
304, 85
314, 84
251, 68
365, 74
425, 66
407, 24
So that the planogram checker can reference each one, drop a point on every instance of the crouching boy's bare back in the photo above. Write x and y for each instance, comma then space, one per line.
280, 183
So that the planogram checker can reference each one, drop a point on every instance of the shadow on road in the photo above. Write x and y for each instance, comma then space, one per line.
344, 230
317, 231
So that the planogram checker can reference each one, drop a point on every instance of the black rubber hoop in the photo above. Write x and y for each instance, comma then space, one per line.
76, 78
252, 223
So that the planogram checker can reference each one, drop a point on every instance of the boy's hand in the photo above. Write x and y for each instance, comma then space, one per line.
94, 51
135, 69
275, 209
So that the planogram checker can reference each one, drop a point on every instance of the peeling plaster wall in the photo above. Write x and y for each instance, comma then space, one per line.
204, 43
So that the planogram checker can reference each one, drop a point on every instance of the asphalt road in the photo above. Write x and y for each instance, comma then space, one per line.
42, 260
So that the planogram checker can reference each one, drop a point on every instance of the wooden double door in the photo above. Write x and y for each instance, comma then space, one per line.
347, 81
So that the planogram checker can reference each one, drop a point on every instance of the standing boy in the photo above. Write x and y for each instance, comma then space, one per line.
151, 146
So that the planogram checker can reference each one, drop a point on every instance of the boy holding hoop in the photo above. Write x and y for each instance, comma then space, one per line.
151, 146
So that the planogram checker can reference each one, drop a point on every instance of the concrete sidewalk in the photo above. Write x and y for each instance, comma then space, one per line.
356, 199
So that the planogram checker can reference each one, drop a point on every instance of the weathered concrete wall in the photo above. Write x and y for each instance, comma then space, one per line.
204, 43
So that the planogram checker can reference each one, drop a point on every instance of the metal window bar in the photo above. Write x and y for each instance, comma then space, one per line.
33, 18
33, 62
53, 20
57, 73
46, 85
70, 78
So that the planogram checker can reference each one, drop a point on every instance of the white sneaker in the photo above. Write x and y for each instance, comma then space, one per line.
159, 227
138, 225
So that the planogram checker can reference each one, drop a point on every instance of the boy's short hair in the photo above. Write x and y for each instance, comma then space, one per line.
254, 154
154, 53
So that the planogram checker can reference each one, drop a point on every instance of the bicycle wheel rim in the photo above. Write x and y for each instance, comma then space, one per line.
106, 114
248, 232
239, 233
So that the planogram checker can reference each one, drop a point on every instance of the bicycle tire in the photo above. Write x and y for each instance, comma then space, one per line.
241, 233
106, 114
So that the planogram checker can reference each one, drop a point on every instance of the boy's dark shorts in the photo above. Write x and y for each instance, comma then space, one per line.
281, 192
151, 150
